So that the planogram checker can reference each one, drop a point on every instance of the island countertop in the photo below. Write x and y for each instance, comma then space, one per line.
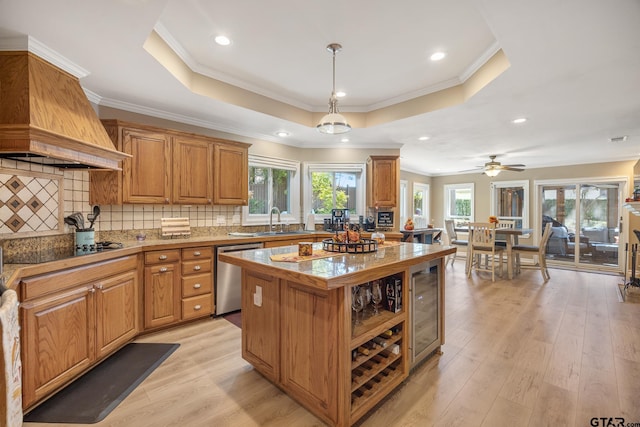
341, 269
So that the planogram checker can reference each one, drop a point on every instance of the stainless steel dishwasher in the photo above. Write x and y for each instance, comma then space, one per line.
228, 279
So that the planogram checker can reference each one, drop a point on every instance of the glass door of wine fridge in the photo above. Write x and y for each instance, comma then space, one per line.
424, 293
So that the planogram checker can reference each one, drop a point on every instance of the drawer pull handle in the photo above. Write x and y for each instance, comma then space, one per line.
197, 307
162, 257
197, 253
197, 286
196, 268
98, 286
164, 270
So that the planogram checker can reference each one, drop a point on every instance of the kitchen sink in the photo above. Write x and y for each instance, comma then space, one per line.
280, 233
269, 233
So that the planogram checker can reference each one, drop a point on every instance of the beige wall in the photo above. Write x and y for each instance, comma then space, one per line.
578, 172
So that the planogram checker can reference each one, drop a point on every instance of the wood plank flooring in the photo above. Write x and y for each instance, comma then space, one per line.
518, 353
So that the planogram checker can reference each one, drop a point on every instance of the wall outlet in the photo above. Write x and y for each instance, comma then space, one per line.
220, 220
257, 296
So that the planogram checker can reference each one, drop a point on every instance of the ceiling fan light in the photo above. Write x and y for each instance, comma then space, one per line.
492, 172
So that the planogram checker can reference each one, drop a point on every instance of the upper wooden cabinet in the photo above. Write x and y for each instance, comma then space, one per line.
146, 175
192, 171
172, 167
231, 175
383, 181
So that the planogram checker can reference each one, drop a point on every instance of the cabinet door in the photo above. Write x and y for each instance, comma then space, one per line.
147, 175
231, 175
58, 340
116, 312
161, 295
261, 323
192, 171
383, 181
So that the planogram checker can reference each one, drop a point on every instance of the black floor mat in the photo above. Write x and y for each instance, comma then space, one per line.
93, 396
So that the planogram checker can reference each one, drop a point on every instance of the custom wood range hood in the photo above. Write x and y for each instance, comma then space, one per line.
46, 118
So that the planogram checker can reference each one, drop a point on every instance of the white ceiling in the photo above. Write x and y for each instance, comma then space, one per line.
574, 70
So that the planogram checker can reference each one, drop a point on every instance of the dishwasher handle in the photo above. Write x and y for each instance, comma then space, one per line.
236, 248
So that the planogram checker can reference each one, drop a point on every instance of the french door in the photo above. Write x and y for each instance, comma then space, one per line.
586, 220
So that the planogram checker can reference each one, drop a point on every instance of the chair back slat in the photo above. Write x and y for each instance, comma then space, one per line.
482, 234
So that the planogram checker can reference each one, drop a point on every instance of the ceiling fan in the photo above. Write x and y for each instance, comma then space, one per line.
492, 168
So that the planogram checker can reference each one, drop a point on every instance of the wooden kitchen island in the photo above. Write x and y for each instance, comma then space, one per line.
297, 325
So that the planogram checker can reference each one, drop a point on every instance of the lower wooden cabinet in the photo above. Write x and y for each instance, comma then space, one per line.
67, 330
197, 282
178, 285
162, 304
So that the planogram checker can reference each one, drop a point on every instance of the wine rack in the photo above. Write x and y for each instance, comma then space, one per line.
378, 353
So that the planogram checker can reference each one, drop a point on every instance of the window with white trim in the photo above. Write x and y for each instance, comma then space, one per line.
272, 183
510, 201
404, 184
458, 203
421, 205
334, 186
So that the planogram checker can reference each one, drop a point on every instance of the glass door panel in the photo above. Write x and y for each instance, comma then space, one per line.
599, 222
584, 221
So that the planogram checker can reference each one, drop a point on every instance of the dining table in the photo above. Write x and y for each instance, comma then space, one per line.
511, 238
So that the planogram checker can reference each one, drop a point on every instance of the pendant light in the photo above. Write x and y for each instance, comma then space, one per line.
334, 122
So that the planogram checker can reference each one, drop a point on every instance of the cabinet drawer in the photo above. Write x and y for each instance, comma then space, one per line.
155, 257
196, 266
197, 253
197, 284
197, 306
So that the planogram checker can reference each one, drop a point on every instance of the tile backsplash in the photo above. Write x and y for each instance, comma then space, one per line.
34, 199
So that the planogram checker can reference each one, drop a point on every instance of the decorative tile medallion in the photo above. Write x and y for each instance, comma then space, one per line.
29, 203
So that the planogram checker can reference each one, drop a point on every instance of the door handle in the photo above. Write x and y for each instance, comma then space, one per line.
164, 270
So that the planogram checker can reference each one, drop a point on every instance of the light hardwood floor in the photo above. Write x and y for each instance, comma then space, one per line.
519, 353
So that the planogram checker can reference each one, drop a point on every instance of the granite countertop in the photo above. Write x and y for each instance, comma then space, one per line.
12, 273
340, 269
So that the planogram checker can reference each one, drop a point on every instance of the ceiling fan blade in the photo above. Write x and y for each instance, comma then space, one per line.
515, 166
509, 168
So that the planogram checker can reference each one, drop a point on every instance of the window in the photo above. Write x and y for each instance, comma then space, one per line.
403, 201
458, 203
334, 186
272, 183
510, 201
421, 205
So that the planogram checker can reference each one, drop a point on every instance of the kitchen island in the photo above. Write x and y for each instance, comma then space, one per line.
298, 329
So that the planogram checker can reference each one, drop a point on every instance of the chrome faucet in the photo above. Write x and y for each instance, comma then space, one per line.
271, 217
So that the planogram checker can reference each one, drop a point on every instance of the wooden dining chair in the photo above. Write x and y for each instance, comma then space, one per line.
506, 223
482, 241
540, 251
452, 235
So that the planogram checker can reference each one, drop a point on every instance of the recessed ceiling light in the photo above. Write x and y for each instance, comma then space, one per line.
344, 140
438, 56
423, 138
341, 94
519, 120
618, 138
223, 40
282, 133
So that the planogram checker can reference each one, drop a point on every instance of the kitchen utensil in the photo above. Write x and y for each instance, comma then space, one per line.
79, 218
94, 215
71, 221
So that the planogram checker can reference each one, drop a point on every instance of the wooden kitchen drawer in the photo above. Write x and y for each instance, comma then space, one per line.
197, 266
156, 257
197, 284
197, 306
197, 253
